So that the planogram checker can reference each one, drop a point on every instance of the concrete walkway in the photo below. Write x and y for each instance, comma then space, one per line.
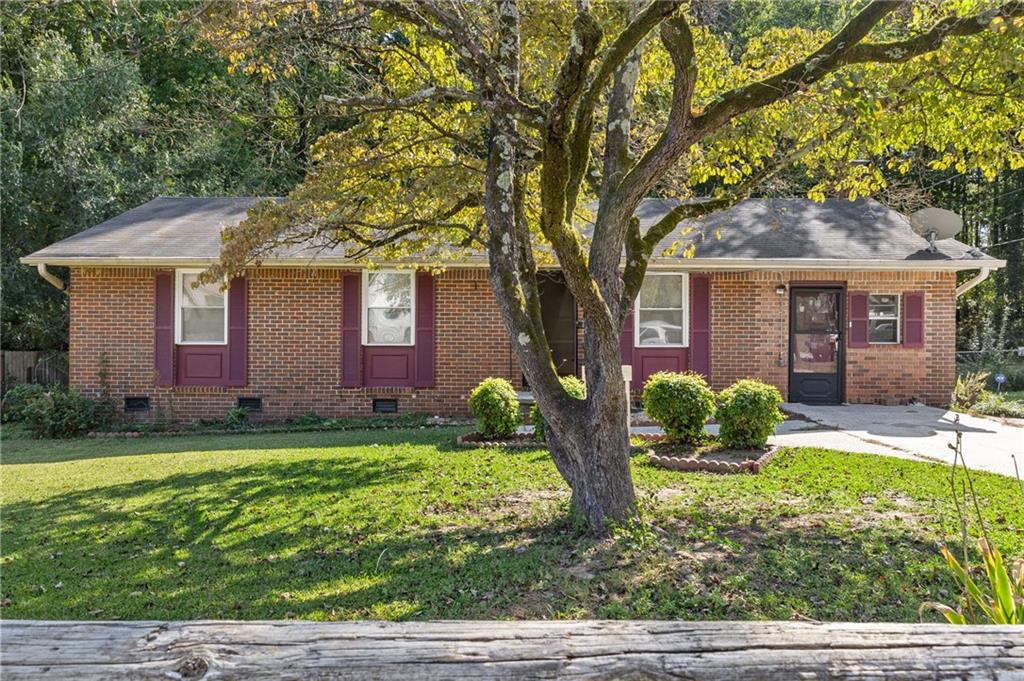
913, 431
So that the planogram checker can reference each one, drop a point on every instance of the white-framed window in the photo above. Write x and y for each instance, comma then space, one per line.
883, 318
389, 299
662, 310
200, 313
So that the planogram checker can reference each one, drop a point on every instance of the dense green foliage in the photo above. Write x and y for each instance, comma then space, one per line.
17, 397
60, 413
680, 403
104, 106
574, 387
970, 395
495, 405
401, 524
747, 413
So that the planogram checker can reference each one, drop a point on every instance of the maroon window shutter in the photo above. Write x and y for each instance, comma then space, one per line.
424, 330
913, 319
163, 328
351, 333
700, 325
238, 331
858, 337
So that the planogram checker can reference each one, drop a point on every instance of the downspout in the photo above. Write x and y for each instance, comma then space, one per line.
52, 278
973, 281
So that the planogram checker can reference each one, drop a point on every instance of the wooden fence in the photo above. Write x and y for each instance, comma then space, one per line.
34, 366
696, 651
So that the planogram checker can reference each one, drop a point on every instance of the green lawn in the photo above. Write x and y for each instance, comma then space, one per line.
400, 524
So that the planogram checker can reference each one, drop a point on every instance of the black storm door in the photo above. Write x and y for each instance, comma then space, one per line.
815, 345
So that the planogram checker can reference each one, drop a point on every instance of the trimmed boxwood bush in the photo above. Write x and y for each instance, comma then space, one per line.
571, 385
680, 403
748, 411
496, 407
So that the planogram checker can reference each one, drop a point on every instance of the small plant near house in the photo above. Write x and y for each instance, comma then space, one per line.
572, 385
105, 404
17, 398
59, 413
747, 414
237, 418
968, 389
680, 403
495, 405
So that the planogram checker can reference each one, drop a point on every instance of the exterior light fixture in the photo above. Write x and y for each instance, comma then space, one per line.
781, 289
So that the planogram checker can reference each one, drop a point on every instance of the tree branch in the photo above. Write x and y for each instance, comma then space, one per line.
623, 46
429, 94
903, 50
843, 49
620, 201
639, 248
449, 29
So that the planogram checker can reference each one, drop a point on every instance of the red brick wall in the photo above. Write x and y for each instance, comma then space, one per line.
294, 345
750, 327
294, 341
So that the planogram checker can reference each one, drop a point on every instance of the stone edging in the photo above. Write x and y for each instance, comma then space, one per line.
691, 463
517, 441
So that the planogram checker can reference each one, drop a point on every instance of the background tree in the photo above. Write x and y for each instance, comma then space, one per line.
104, 106
498, 124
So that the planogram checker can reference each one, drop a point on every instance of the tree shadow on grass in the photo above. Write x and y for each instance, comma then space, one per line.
341, 536
348, 537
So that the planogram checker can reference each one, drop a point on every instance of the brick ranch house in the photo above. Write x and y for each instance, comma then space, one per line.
831, 302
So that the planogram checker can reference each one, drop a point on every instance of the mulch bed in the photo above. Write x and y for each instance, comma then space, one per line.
517, 441
712, 457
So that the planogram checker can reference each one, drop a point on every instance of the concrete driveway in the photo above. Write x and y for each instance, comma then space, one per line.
910, 432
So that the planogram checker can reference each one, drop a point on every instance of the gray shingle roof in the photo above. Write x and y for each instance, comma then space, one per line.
166, 227
759, 231
794, 228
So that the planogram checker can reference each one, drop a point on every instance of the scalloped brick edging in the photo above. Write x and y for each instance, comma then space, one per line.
517, 441
691, 463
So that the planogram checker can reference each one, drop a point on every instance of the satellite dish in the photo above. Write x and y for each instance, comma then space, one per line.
936, 223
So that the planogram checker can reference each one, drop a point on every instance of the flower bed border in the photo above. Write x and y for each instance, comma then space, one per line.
711, 465
517, 441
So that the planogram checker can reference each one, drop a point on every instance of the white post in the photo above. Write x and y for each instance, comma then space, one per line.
627, 376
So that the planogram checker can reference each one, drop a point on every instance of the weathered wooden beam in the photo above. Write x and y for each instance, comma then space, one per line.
506, 650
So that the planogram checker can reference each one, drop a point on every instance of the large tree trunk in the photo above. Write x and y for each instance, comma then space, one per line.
589, 439
593, 456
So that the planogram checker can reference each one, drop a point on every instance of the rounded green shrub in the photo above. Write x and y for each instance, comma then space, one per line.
680, 403
496, 407
748, 411
572, 385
